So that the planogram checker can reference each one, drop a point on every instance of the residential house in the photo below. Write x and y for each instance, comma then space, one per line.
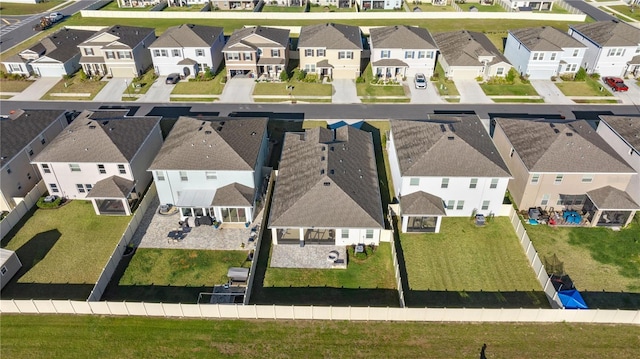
543, 52
379, 4
526, 5
331, 50
9, 265
565, 165
466, 55
54, 56
613, 47
118, 51
213, 166
444, 167
103, 157
136, 3
188, 49
622, 133
327, 189
257, 52
218, 4
23, 135
402, 51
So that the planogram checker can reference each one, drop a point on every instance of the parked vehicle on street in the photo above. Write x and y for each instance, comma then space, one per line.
44, 24
420, 81
173, 78
55, 16
616, 83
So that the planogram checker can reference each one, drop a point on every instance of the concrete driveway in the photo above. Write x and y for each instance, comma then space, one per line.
238, 90
113, 90
632, 96
344, 91
423, 96
470, 92
550, 92
158, 92
37, 89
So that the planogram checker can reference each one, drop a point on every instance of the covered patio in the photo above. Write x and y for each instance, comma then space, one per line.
610, 207
324, 69
421, 212
304, 236
390, 68
633, 67
115, 196
229, 204
270, 67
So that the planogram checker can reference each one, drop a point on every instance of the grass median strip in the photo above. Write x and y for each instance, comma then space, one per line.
14, 85
300, 88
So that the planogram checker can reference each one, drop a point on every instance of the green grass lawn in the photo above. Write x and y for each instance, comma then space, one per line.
375, 90
7, 8
482, 8
517, 100
65, 246
626, 10
75, 85
65, 336
429, 7
445, 87
590, 87
140, 85
14, 85
211, 87
330, 8
300, 88
113, 6
517, 89
190, 8
275, 8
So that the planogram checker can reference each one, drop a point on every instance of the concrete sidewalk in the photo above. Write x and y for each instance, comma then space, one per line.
37, 89
471, 92
550, 92
344, 91
112, 91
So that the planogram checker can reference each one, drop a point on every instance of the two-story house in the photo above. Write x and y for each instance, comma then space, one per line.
444, 167
23, 135
402, 51
331, 50
188, 50
379, 4
218, 4
54, 56
622, 133
257, 51
543, 52
213, 166
103, 157
562, 165
466, 55
613, 47
327, 189
118, 51
527, 5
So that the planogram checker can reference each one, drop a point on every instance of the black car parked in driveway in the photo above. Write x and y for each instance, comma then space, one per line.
172, 79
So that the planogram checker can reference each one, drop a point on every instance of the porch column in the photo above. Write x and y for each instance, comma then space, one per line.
596, 218
95, 207
127, 209
404, 220
633, 213
274, 236
438, 221
301, 237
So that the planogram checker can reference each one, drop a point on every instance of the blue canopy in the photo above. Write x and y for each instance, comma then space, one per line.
571, 299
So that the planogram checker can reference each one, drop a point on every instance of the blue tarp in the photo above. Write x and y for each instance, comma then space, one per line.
342, 123
571, 299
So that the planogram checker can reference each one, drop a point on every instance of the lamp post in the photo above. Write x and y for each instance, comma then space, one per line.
126, 84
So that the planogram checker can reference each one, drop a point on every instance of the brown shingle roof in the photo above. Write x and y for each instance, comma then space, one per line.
128, 35
456, 146
609, 33
611, 198
280, 36
326, 182
212, 143
545, 38
331, 36
234, 194
627, 127
111, 187
401, 37
561, 146
422, 203
188, 35
463, 48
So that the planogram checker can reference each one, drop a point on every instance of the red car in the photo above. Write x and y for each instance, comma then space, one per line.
615, 83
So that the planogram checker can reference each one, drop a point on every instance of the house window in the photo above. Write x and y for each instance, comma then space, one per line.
88, 187
344, 234
110, 55
414, 182
124, 55
247, 56
473, 183
310, 67
88, 52
122, 170
576, 52
572, 67
101, 169
233, 56
211, 175
587, 178
460, 205
485, 205
571, 200
553, 56
164, 53
345, 55
74, 167
80, 188
183, 176
156, 53
421, 54
408, 54
160, 176
15, 68
175, 52
538, 56
616, 52
511, 152
199, 52
500, 71
54, 187
308, 52
385, 54
545, 200
494, 183
535, 178
46, 169
275, 53
558, 179
430, 54
369, 234
450, 204
320, 53
445, 183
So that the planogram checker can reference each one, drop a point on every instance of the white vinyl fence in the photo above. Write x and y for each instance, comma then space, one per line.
22, 208
396, 269
279, 312
116, 256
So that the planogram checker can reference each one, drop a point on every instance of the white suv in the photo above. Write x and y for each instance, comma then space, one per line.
55, 16
421, 81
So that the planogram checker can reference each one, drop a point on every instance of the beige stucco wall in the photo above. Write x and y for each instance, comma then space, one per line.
342, 68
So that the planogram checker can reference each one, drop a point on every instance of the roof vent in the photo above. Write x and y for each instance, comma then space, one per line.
110, 128
222, 123
322, 158
327, 184
450, 138
360, 176
341, 160
556, 130
332, 148
207, 132
569, 134
253, 133
203, 123
92, 127
332, 172
322, 171
219, 128
324, 148
443, 128
104, 123
200, 129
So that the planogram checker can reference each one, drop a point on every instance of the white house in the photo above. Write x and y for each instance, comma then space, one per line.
613, 47
9, 265
102, 156
327, 189
188, 49
622, 133
445, 167
543, 52
213, 167
402, 51
379, 4
23, 135
527, 5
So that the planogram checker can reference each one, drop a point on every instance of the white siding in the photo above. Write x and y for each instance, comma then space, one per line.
357, 236
631, 157
169, 188
424, 65
518, 54
165, 65
66, 180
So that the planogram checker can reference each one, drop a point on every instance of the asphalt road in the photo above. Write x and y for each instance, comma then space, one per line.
299, 112
17, 32
592, 11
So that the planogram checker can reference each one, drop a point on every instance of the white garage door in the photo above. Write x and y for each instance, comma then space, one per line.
462, 73
49, 71
122, 72
344, 74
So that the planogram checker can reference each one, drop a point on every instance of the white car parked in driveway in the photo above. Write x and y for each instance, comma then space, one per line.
421, 81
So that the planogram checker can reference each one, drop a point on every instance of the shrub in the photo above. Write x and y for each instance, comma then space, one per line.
301, 75
511, 75
360, 80
42, 204
479, 78
311, 78
581, 75
525, 79
284, 76
568, 77
595, 76
82, 75
360, 255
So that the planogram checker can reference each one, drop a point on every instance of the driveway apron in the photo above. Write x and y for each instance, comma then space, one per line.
38, 89
238, 90
632, 96
550, 92
344, 91
423, 96
158, 92
470, 92
113, 90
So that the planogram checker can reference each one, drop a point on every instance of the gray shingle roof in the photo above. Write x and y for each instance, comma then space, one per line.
401, 37
280, 36
327, 183
128, 35
610, 198
609, 33
188, 35
62, 45
331, 36
561, 146
111, 187
545, 38
99, 136
627, 127
18, 131
234, 194
212, 143
457, 146
422, 203
462, 48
